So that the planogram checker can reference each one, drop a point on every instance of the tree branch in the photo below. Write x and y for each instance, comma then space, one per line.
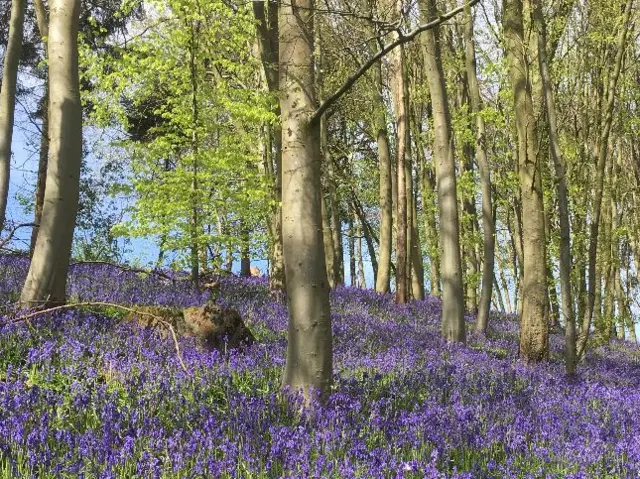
13, 231
402, 39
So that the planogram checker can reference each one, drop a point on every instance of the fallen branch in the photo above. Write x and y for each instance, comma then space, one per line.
160, 319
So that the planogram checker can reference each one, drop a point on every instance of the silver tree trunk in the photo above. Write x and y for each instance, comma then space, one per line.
8, 100
47, 276
309, 349
453, 327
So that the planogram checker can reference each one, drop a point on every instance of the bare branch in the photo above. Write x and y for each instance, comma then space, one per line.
12, 232
401, 40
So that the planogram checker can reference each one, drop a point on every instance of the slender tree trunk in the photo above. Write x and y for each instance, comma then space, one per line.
43, 162
453, 326
336, 222
327, 233
309, 350
352, 252
625, 308
277, 279
47, 276
195, 145
505, 287
427, 189
484, 304
266, 14
42, 20
408, 176
563, 201
619, 302
327, 238
362, 283
534, 330
417, 268
498, 296
599, 179
398, 84
245, 252
386, 201
367, 232
8, 91
553, 307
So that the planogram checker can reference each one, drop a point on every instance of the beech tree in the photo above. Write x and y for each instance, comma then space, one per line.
534, 329
8, 99
453, 327
309, 346
47, 277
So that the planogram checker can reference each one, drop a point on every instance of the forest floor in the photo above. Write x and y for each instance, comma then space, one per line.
83, 394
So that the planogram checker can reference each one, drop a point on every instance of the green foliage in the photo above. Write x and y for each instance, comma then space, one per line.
186, 93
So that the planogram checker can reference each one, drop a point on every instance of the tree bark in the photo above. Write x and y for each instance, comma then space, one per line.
47, 276
8, 92
336, 222
453, 326
43, 162
417, 267
266, 14
327, 239
309, 350
245, 251
398, 88
367, 232
484, 305
386, 201
427, 191
352, 252
534, 330
362, 283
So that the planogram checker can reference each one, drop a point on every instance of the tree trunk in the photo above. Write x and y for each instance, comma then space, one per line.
563, 201
352, 252
534, 330
386, 201
43, 27
47, 276
8, 91
417, 268
336, 223
500, 301
367, 232
327, 239
362, 283
427, 190
327, 233
43, 162
309, 350
408, 176
274, 164
195, 145
624, 306
599, 180
484, 304
453, 326
267, 26
245, 252
398, 88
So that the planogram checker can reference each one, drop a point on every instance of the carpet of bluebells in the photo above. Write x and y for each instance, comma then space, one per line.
85, 394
